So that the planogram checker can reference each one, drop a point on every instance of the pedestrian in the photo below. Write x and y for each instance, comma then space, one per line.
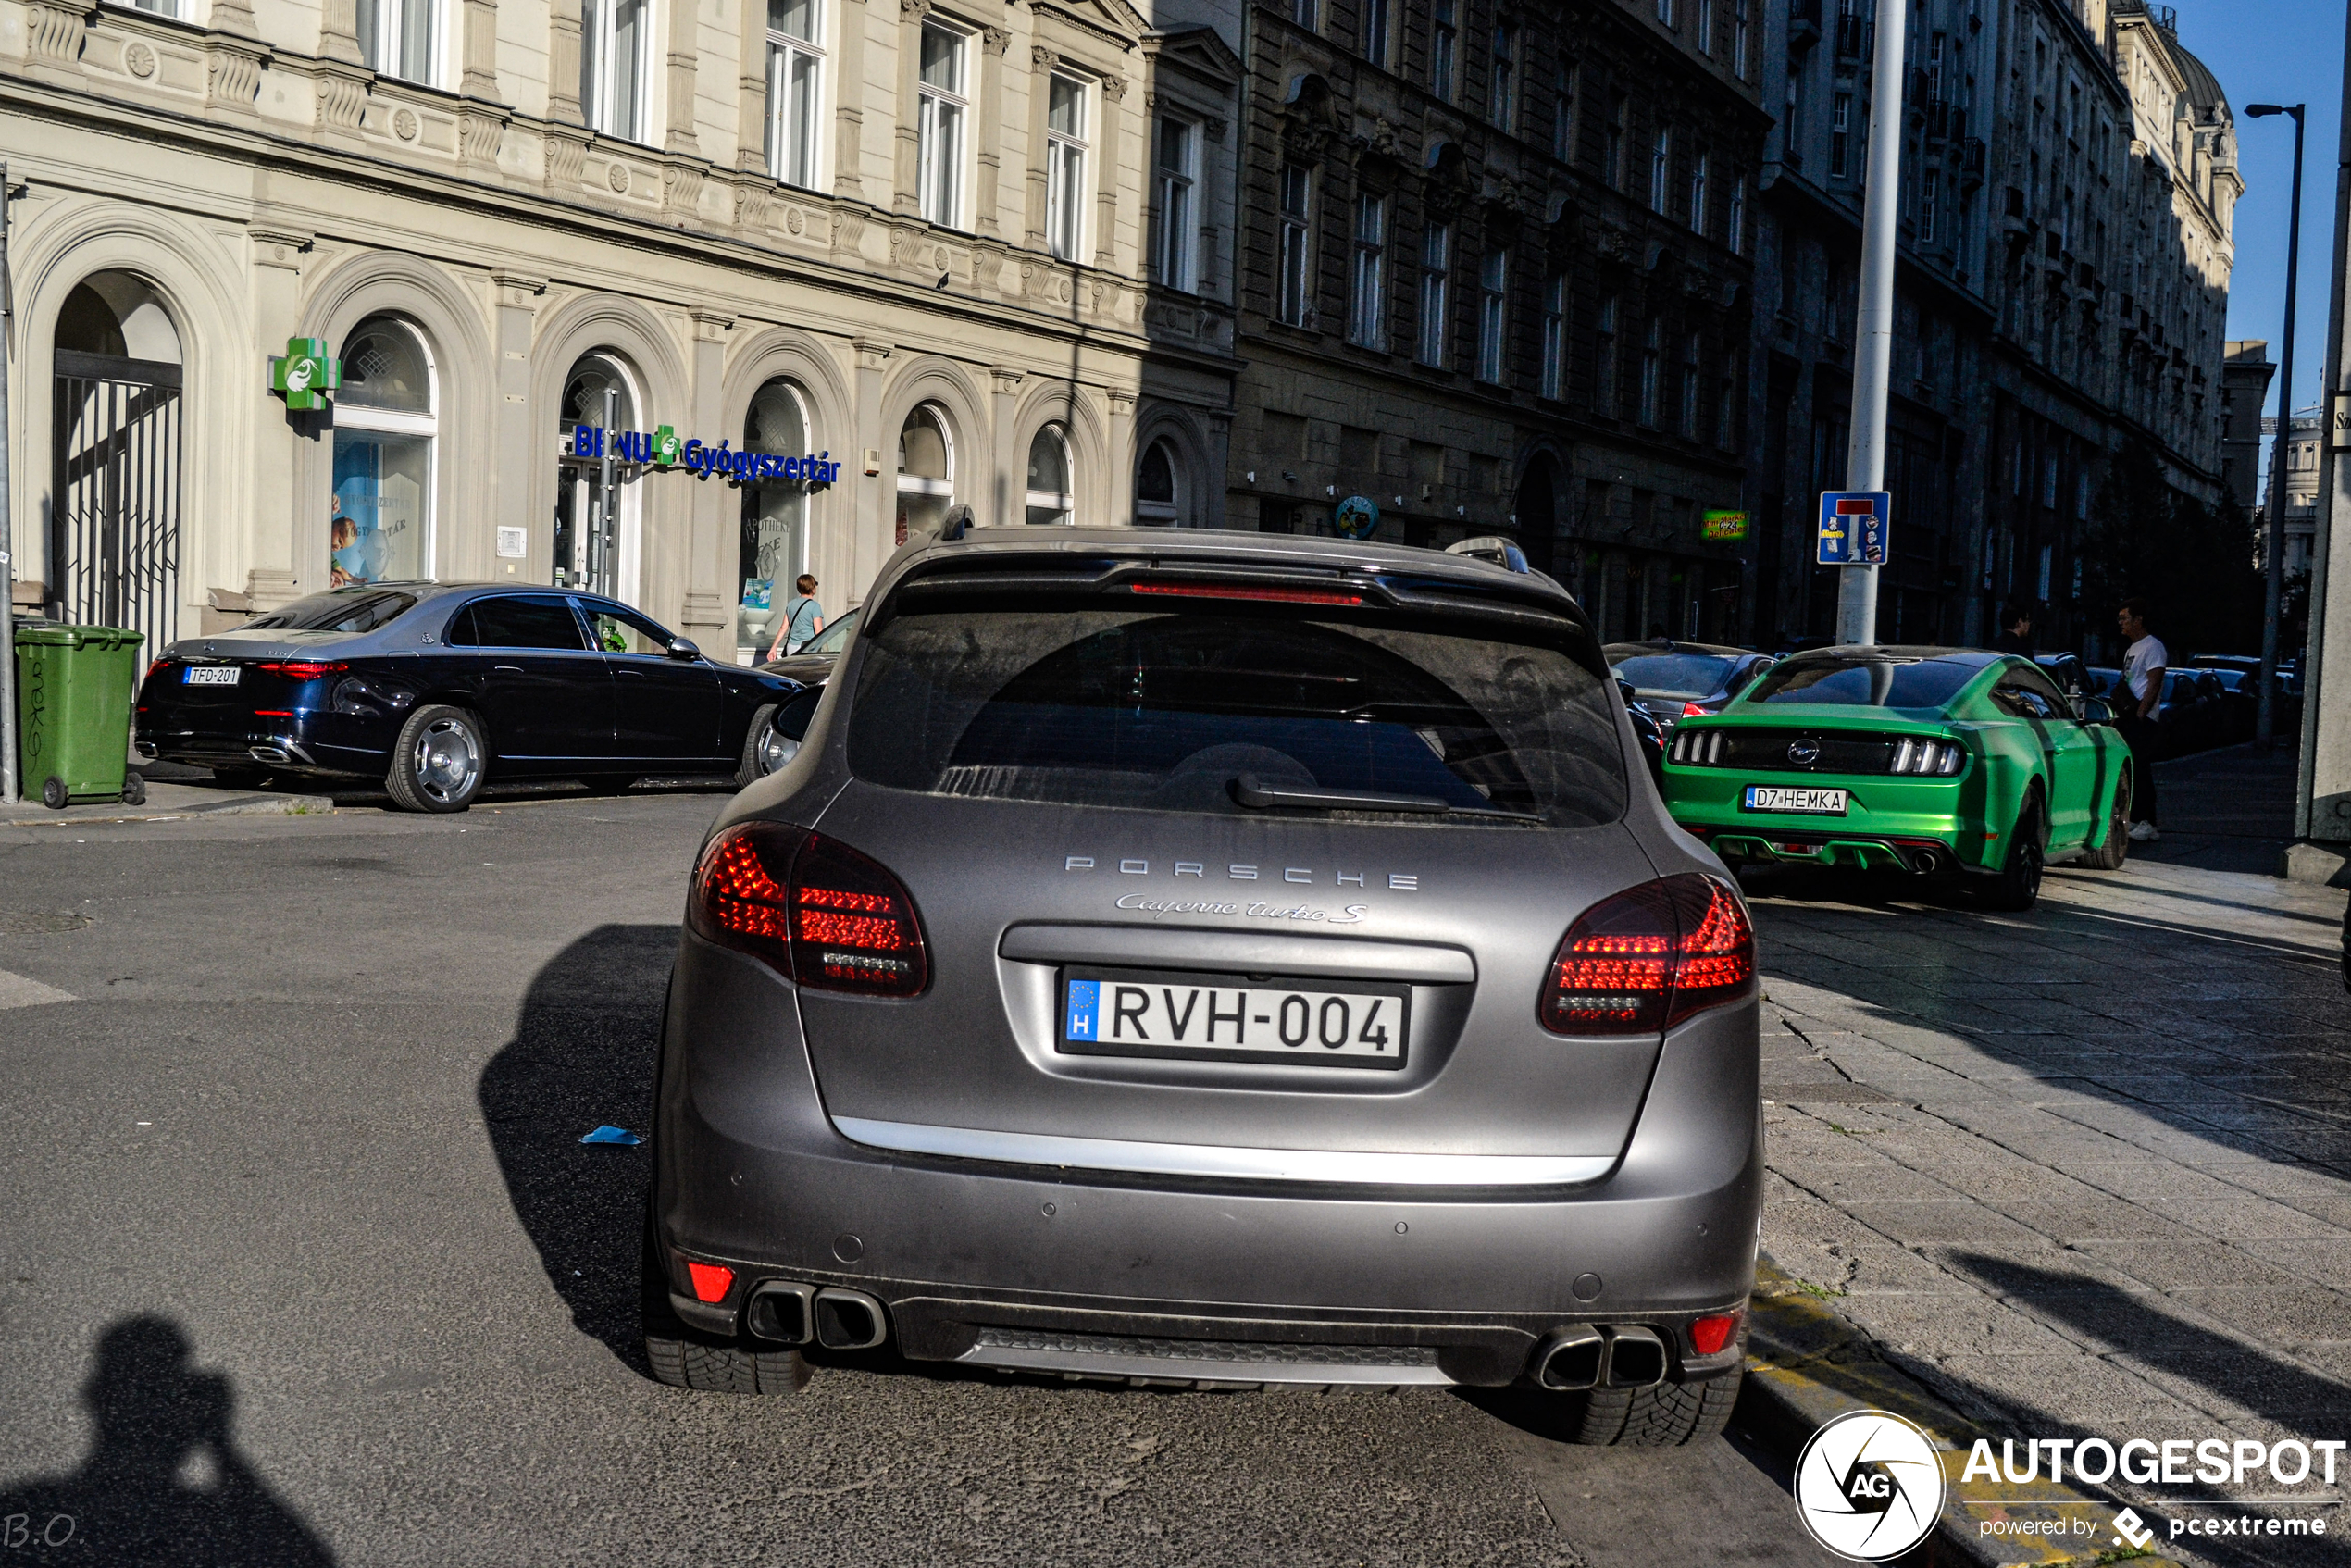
2017, 617
2143, 668
804, 621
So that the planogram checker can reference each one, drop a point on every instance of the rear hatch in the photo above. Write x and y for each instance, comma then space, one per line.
1352, 817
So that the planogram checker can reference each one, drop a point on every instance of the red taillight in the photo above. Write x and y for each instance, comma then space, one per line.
300, 669
1650, 957
1693, 710
1244, 591
712, 1281
1709, 1335
157, 666
823, 913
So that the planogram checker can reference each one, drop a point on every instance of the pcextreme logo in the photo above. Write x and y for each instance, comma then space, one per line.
1869, 1485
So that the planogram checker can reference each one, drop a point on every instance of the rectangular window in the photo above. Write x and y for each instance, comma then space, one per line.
1652, 367
1734, 232
938, 129
1689, 387
1612, 154
1503, 99
1665, 12
1367, 301
1662, 169
1492, 315
1929, 193
1604, 366
1375, 28
1841, 136
1706, 27
1554, 383
1297, 183
795, 75
396, 37
1066, 165
1738, 39
1172, 247
1305, 13
1726, 408
1444, 42
1437, 273
1563, 114
1697, 192
613, 36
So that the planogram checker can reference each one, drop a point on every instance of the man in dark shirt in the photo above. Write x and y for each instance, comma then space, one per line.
2017, 639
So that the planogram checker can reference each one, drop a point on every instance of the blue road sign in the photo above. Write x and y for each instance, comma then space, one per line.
1854, 527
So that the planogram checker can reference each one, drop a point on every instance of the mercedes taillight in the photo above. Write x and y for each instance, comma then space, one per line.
1644, 960
831, 918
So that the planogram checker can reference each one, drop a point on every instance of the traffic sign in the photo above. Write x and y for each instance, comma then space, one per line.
1854, 527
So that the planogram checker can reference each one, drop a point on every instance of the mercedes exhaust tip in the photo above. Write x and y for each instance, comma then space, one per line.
1637, 1359
1571, 1359
849, 1320
268, 754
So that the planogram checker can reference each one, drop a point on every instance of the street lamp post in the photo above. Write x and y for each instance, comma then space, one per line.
2273, 527
1873, 324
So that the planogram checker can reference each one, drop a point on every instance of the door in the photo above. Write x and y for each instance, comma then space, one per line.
2070, 753
664, 709
543, 694
115, 529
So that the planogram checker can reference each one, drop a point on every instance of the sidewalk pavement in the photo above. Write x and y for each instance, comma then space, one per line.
169, 801
2084, 1172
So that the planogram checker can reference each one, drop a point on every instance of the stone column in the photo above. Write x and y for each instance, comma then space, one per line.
1106, 157
908, 196
751, 89
339, 32
481, 123
287, 545
848, 98
1120, 486
877, 470
706, 594
990, 190
685, 55
563, 63
1012, 476
1041, 62
1220, 457
526, 444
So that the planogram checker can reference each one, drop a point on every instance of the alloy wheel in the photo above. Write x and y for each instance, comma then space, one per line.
448, 760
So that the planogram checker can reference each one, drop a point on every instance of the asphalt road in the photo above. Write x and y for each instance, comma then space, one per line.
304, 1263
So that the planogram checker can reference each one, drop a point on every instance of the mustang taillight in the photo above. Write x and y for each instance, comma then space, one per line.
1697, 748
810, 907
1650, 957
1915, 756
300, 669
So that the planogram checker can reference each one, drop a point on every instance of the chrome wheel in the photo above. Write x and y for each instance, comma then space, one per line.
775, 748
447, 761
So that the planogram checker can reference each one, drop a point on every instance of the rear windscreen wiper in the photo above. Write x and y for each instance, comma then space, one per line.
1251, 790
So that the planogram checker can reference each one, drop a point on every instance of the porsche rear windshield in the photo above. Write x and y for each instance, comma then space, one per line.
341, 609
1863, 683
1087, 702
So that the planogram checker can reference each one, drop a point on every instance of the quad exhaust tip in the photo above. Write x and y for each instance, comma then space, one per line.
268, 754
784, 1312
1576, 1359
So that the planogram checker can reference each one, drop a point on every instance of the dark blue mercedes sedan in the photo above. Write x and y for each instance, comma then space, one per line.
435, 687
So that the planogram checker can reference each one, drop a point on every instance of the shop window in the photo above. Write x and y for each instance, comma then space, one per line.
1049, 490
400, 37
1171, 236
1158, 499
614, 37
379, 516
925, 473
939, 131
795, 83
774, 549
595, 542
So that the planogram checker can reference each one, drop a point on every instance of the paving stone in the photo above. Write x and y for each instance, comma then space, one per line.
2098, 1219
2189, 1264
2249, 1218
2291, 1315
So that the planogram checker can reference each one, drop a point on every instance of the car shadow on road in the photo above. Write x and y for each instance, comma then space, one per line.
585, 1041
164, 1484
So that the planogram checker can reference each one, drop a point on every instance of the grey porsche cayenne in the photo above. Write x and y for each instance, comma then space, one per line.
1221, 960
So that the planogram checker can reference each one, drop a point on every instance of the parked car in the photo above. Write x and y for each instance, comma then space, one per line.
437, 687
1646, 733
2188, 716
1935, 761
1195, 957
813, 663
2240, 701
1674, 680
2071, 676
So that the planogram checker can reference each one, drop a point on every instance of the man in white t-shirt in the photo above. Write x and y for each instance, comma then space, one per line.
2142, 670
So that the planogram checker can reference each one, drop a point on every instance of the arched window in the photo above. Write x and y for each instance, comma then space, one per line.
1049, 497
925, 473
386, 425
596, 534
1157, 498
112, 543
775, 542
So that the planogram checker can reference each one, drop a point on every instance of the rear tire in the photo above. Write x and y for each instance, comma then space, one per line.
2110, 855
685, 1359
2018, 886
1670, 1416
758, 759
439, 762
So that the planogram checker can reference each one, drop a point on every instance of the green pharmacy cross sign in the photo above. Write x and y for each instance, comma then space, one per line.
307, 374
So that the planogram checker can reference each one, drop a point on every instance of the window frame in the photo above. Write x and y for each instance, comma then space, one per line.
1445, 51
1493, 315
353, 415
1367, 283
381, 25
1662, 170
1175, 240
1067, 156
1698, 191
1437, 277
1294, 277
597, 56
943, 115
1375, 33
806, 156
1501, 78
1554, 372
1063, 502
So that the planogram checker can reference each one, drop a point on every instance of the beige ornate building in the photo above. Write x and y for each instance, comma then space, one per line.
924, 238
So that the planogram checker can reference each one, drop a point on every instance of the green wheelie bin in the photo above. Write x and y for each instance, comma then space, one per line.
74, 689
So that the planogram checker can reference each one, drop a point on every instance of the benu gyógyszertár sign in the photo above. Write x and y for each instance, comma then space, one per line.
662, 448
307, 374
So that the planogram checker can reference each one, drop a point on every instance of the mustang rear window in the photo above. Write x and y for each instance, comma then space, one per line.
1865, 682
342, 609
1144, 708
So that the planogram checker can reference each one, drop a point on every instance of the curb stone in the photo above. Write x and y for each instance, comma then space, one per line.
1805, 1366
234, 805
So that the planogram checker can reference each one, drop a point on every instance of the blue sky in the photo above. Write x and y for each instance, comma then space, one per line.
2278, 52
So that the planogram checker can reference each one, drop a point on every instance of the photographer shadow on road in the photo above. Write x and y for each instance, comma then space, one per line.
163, 1484
582, 1055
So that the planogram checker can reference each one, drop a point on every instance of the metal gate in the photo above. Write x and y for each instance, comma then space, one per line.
114, 520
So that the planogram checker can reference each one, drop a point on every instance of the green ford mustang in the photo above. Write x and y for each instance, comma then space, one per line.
1940, 761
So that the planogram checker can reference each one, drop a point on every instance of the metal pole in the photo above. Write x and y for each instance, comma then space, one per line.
2274, 528
1874, 322
2334, 473
607, 572
9, 790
